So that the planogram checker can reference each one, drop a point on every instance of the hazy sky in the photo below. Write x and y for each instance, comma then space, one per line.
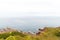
22, 8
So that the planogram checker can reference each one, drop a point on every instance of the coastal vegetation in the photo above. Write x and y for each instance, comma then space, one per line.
47, 33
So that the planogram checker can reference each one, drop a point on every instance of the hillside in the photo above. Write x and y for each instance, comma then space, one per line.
47, 33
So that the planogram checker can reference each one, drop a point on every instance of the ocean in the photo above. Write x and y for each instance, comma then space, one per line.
29, 24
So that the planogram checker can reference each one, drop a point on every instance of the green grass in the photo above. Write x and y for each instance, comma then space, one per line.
48, 33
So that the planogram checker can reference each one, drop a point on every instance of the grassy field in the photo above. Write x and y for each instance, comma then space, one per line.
48, 33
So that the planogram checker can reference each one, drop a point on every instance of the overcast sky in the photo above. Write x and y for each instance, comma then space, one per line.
23, 8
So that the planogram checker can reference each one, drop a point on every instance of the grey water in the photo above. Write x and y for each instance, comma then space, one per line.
29, 23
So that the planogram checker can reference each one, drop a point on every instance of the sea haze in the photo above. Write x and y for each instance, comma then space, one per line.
30, 23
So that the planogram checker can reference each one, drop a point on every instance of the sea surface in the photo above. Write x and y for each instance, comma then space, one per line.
29, 24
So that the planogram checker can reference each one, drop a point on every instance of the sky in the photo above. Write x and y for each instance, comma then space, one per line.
29, 8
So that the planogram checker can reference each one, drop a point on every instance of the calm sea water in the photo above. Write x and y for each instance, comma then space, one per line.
29, 23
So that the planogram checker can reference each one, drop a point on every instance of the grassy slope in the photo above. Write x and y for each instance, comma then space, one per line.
47, 34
